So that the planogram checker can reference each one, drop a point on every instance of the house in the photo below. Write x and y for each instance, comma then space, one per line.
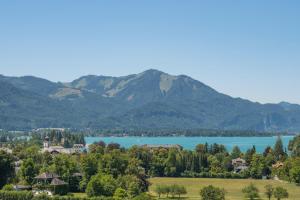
239, 165
278, 165
18, 166
46, 178
6, 150
77, 148
51, 181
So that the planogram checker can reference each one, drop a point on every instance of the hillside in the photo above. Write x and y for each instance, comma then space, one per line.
148, 100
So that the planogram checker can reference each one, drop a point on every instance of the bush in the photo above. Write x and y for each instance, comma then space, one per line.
251, 192
280, 193
120, 194
8, 187
14, 195
212, 193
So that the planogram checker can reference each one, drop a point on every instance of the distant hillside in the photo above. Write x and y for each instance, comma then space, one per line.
149, 100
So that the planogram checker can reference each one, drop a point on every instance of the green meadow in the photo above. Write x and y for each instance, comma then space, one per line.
233, 187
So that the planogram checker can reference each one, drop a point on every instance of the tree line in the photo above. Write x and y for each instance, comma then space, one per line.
109, 170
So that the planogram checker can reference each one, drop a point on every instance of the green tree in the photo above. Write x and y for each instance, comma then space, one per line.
201, 148
215, 165
249, 153
166, 190
294, 146
159, 190
236, 152
280, 193
101, 185
28, 171
294, 172
6, 167
177, 190
120, 194
278, 149
251, 192
269, 191
212, 193
89, 165
65, 166
257, 166
181, 190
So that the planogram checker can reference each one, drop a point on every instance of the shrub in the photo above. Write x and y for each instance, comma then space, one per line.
251, 192
8, 187
120, 194
280, 193
14, 195
212, 193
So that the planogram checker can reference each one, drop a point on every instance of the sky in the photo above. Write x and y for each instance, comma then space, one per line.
248, 49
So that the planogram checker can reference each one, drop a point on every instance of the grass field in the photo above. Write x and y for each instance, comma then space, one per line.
233, 187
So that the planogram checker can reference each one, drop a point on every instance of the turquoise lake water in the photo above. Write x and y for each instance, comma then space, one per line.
190, 142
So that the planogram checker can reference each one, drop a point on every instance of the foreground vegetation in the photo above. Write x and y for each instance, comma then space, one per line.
233, 188
108, 171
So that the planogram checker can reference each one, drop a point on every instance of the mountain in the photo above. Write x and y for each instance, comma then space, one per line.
148, 100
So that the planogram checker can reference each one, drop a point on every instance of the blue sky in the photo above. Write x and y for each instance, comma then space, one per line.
248, 49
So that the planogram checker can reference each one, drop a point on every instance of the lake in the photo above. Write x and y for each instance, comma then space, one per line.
190, 142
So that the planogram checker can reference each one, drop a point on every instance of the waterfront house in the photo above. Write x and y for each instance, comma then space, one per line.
239, 165
77, 148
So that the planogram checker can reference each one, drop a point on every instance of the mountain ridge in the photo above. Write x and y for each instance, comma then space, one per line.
151, 99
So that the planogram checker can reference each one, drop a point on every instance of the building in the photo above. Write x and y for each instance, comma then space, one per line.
7, 150
77, 148
239, 165
278, 165
46, 178
52, 184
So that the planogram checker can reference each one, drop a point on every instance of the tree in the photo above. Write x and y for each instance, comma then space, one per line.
120, 194
6, 167
101, 185
294, 146
166, 190
249, 153
177, 190
201, 148
269, 191
294, 172
257, 166
212, 193
159, 190
65, 166
251, 192
89, 165
280, 193
181, 190
28, 171
236, 152
278, 149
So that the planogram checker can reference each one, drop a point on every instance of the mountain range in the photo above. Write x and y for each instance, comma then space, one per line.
148, 100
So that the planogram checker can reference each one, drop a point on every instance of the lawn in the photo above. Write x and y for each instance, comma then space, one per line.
233, 187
